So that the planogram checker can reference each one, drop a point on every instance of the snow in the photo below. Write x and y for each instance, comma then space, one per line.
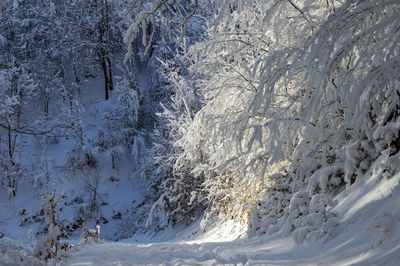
368, 234
296, 139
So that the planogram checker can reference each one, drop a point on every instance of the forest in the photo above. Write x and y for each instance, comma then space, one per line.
244, 122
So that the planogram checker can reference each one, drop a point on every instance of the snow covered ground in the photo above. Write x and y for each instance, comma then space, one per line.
368, 234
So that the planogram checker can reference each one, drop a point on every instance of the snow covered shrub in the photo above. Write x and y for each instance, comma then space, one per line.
50, 247
90, 235
181, 202
270, 208
357, 160
119, 125
133, 220
82, 157
230, 197
387, 143
308, 218
11, 175
328, 179
179, 195
13, 252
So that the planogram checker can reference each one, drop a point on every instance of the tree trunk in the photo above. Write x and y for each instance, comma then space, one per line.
106, 81
110, 80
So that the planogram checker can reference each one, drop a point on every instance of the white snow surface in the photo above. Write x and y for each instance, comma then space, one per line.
368, 234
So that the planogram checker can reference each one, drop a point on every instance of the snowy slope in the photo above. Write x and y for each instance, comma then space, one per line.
368, 234
118, 190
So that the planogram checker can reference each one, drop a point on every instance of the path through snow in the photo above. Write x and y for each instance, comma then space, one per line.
240, 252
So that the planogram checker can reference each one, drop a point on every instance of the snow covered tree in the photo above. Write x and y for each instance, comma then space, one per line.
95, 23
291, 97
298, 99
16, 91
166, 28
169, 21
119, 132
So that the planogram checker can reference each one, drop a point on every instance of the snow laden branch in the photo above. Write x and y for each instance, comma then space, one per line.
168, 18
26, 130
293, 94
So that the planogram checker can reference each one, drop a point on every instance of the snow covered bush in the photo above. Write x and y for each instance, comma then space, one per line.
308, 218
119, 132
120, 120
13, 252
179, 197
90, 235
50, 247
